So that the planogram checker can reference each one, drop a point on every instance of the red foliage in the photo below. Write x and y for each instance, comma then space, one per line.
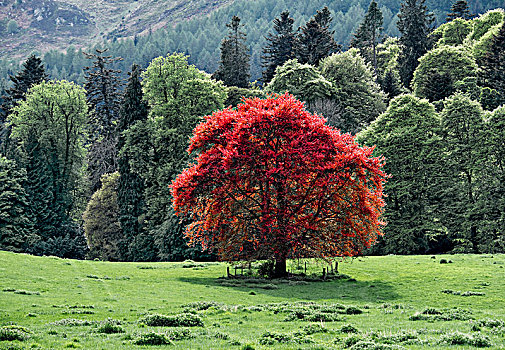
273, 181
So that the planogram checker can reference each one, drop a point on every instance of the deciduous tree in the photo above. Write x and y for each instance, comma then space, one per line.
272, 181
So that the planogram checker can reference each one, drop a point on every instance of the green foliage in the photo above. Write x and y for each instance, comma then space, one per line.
14, 332
279, 48
440, 69
358, 97
368, 35
464, 163
152, 339
452, 33
181, 320
50, 127
178, 94
459, 338
101, 221
16, 226
236, 95
102, 91
315, 40
234, 65
414, 24
493, 64
130, 187
485, 22
408, 135
301, 80
459, 10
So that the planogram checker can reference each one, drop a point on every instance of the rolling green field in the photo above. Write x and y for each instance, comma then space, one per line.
391, 302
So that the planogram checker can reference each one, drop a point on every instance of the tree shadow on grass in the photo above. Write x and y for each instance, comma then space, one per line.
336, 290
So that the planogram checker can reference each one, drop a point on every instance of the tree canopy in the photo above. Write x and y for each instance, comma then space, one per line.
273, 181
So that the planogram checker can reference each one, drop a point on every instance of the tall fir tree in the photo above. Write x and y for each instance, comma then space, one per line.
415, 24
459, 10
315, 40
234, 67
368, 35
493, 66
130, 191
16, 225
279, 48
33, 72
103, 95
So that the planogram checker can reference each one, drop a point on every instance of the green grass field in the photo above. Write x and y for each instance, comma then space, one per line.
391, 302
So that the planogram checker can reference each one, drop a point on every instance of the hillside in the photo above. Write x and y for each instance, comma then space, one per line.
50, 24
394, 302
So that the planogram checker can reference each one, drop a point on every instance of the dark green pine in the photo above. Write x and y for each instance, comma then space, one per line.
279, 48
234, 67
368, 35
130, 191
315, 40
33, 72
16, 226
459, 10
103, 95
415, 25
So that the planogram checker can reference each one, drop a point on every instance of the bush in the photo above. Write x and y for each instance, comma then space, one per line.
351, 310
458, 338
368, 345
152, 339
181, 320
71, 322
490, 323
9, 333
266, 269
314, 328
349, 328
180, 334
270, 338
110, 328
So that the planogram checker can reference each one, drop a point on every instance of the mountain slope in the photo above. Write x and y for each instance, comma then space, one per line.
50, 24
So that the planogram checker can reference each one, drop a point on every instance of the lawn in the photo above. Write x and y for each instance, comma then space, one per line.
390, 302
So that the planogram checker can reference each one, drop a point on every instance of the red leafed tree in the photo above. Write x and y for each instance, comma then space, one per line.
273, 181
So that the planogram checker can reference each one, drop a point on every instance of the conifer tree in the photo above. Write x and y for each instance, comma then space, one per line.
280, 46
368, 35
315, 40
103, 96
33, 72
130, 191
493, 66
16, 227
234, 67
414, 24
459, 10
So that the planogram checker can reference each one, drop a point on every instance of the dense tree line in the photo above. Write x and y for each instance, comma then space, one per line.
93, 164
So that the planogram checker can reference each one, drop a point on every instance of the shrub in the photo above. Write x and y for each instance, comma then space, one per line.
201, 305
152, 339
490, 323
110, 328
351, 310
314, 328
270, 338
368, 345
180, 334
13, 332
180, 320
458, 338
266, 269
70, 322
349, 328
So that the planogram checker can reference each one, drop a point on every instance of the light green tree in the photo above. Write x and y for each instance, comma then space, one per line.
178, 95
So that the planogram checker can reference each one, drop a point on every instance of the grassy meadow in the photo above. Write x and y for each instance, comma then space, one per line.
390, 302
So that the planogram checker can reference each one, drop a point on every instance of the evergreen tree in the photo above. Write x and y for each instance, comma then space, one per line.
414, 24
130, 191
103, 96
459, 10
16, 227
50, 129
390, 85
234, 67
33, 72
315, 40
368, 35
279, 48
493, 66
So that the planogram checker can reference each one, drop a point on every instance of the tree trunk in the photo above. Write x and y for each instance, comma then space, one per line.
280, 267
